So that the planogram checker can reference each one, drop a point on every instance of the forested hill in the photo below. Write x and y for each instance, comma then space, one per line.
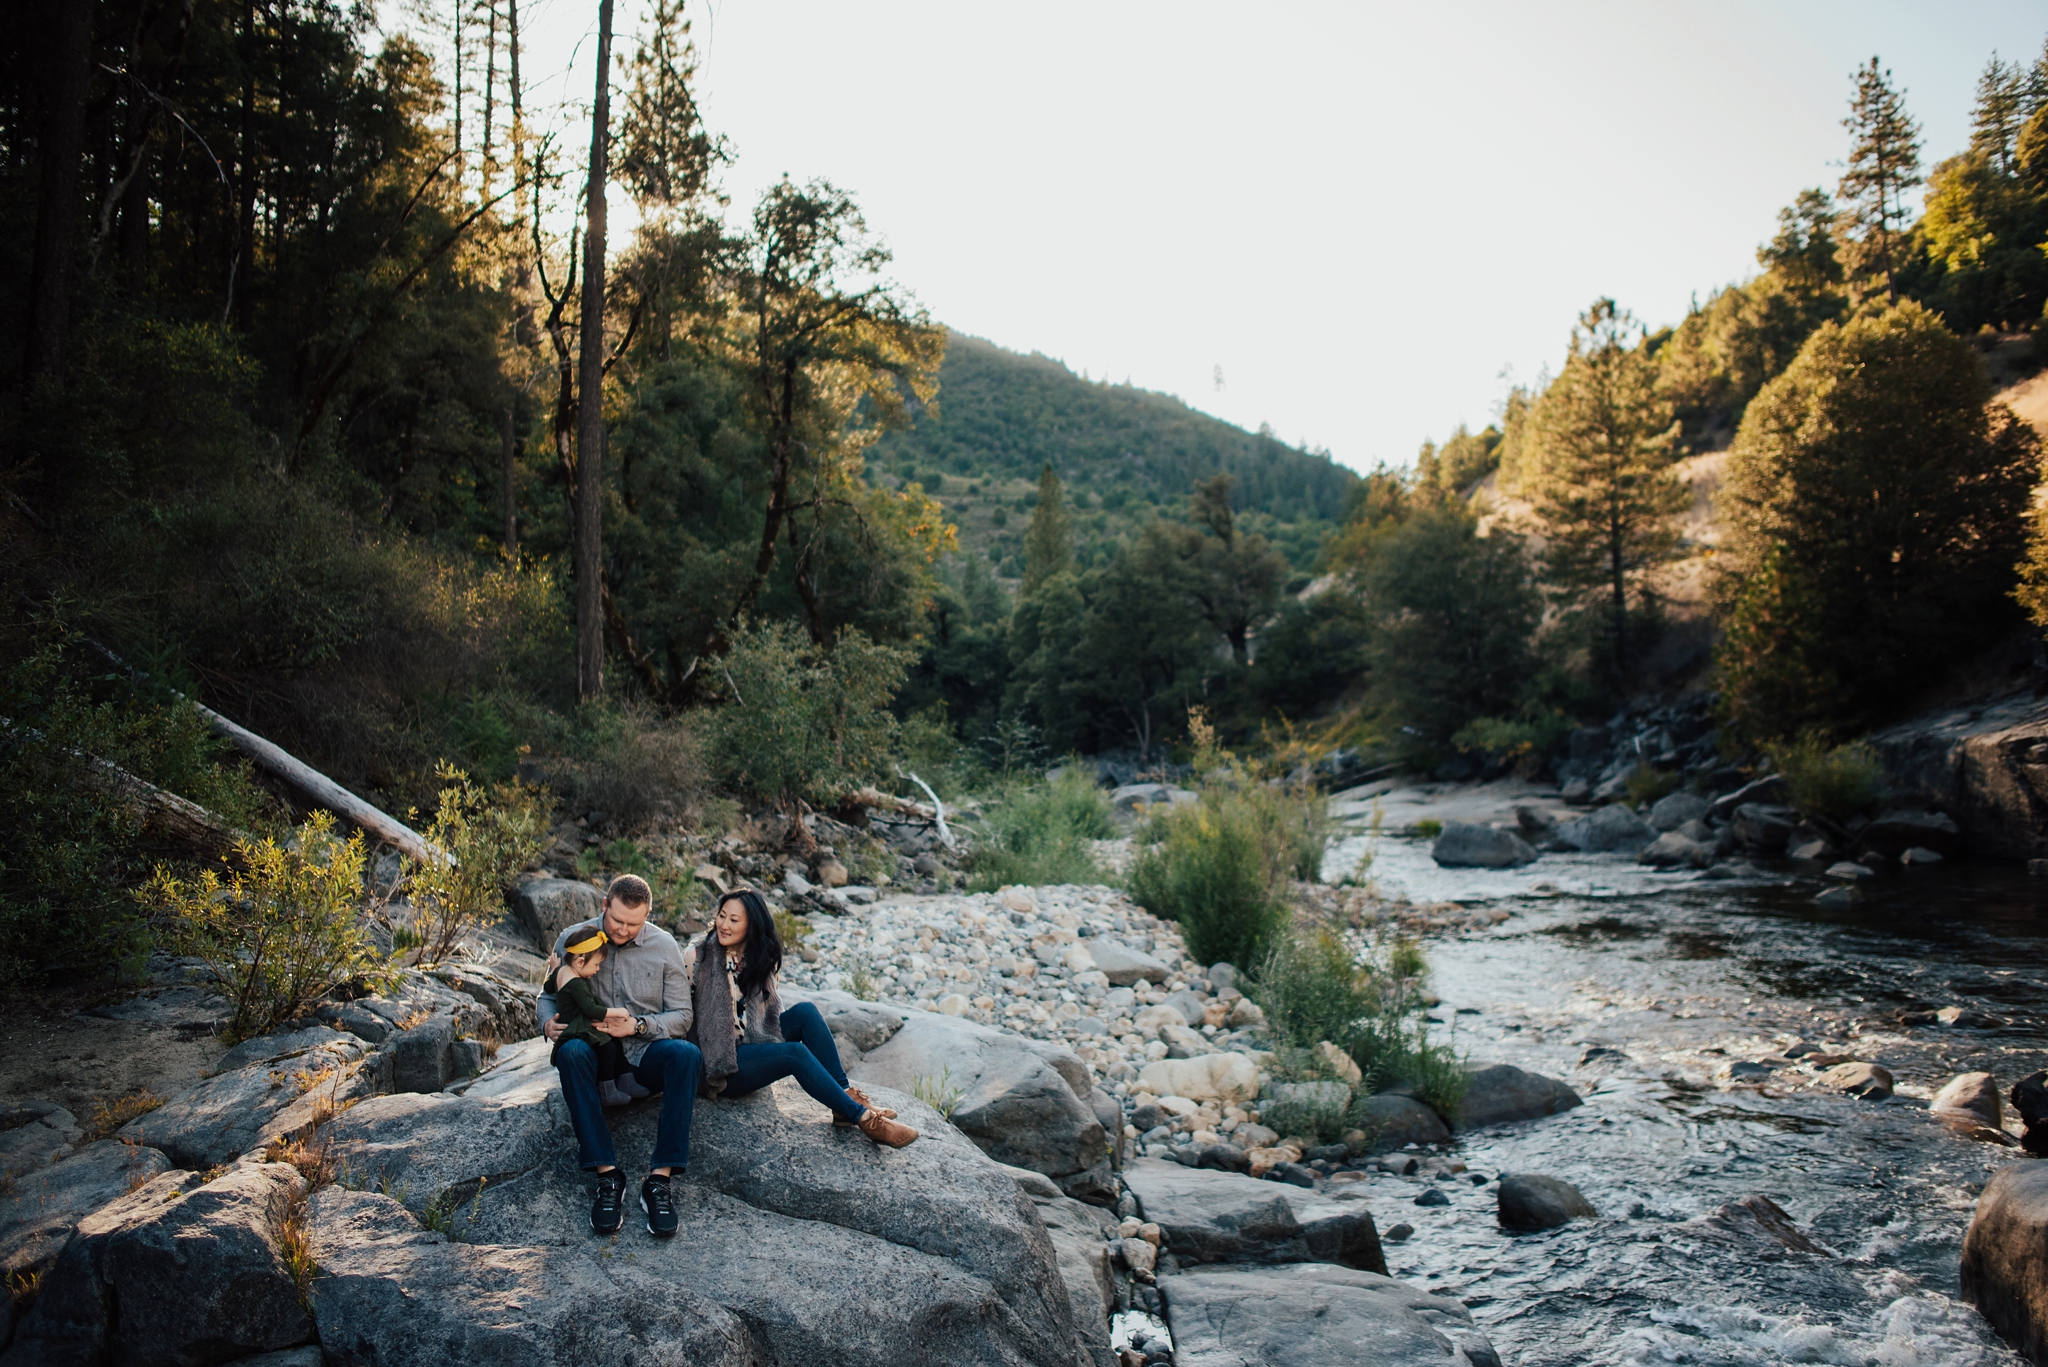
1123, 453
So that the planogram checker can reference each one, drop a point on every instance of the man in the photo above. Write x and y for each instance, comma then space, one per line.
643, 974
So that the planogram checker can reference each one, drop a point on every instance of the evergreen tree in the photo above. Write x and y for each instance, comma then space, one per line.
1884, 163
1602, 441
1232, 580
2000, 111
1873, 510
1049, 541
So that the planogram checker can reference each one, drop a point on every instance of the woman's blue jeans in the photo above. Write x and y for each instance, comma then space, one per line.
806, 1054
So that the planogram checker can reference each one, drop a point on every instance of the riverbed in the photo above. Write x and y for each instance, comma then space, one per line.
1639, 988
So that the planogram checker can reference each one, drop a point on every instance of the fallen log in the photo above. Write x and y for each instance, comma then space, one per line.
880, 801
177, 820
303, 778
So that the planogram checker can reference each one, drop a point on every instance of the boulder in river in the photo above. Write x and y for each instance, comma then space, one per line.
1764, 827
2029, 1098
1613, 827
1971, 1097
1675, 809
1501, 1093
1462, 845
1896, 832
1311, 1313
1672, 850
2005, 1257
1222, 1217
1391, 1121
1871, 1081
1529, 1201
1757, 1223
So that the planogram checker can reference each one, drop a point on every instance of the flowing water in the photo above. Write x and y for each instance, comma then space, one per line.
1670, 979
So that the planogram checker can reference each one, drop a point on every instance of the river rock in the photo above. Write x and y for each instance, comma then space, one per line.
1123, 965
1392, 1121
1464, 846
548, 906
42, 1207
874, 1248
1501, 1093
1311, 1314
173, 1273
1078, 1231
1672, 850
1223, 1077
1973, 1096
1222, 1217
224, 1117
1613, 827
1870, 1081
1898, 832
289, 1044
1024, 1101
1764, 827
1676, 809
2005, 1257
2029, 1098
1529, 1201
1757, 1223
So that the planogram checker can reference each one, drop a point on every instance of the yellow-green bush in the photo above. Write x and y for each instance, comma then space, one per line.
484, 838
1833, 781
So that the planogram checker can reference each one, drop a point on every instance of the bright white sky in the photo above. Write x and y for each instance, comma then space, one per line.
1370, 217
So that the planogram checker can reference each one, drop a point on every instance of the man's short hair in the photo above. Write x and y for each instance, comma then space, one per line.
630, 889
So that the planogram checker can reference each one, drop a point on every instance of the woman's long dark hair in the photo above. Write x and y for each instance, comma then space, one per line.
763, 950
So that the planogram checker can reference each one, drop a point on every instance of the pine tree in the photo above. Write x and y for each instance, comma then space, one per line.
2000, 110
1048, 542
1605, 496
1884, 163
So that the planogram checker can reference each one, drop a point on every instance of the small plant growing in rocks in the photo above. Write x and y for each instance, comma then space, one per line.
282, 930
940, 1093
109, 1116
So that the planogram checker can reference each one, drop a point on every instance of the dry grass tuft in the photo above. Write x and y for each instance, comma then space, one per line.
109, 1116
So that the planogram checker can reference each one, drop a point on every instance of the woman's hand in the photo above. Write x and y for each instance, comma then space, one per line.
619, 1027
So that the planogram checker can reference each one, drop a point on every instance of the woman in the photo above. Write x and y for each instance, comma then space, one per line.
749, 1041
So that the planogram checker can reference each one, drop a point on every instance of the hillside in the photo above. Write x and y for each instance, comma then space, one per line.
1123, 453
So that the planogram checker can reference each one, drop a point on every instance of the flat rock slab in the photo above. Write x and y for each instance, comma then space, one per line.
44, 1206
226, 1116
34, 1134
1223, 1217
1079, 1235
1461, 845
800, 1242
1312, 1314
1502, 1093
1123, 965
188, 1010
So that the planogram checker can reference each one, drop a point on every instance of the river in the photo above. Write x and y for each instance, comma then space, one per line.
1674, 978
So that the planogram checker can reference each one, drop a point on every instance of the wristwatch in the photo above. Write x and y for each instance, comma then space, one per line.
640, 1027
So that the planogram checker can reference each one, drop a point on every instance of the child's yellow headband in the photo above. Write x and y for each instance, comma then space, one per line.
590, 941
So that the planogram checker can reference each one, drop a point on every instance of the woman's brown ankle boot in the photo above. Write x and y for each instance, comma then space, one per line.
862, 1097
883, 1130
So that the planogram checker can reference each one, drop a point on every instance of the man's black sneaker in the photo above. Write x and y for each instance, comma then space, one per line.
608, 1207
660, 1206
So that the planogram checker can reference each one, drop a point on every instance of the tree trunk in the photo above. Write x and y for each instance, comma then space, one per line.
508, 500
63, 145
590, 389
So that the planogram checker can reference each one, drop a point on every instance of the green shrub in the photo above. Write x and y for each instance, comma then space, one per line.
488, 836
803, 725
1429, 828
1830, 781
1313, 988
634, 765
1039, 834
282, 931
1209, 872
1319, 1113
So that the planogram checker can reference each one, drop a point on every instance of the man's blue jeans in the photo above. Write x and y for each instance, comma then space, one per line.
670, 1067
808, 1055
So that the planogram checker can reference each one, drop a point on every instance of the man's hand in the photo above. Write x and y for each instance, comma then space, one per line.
553, 1029
619, 1027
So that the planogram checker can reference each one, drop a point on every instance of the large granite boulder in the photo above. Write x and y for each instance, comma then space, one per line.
869, 1252
1461, 845
1026, 1102
1223, 1217
1311, 1314
2005, 1257
34, 1134
1613, 827
42, 1207
1675, 809
1969, 1102
1502, 1093
548, 906
1982, 767
1080, 1234
173, 1273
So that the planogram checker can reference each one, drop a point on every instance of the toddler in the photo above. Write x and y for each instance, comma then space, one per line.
576, 1007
